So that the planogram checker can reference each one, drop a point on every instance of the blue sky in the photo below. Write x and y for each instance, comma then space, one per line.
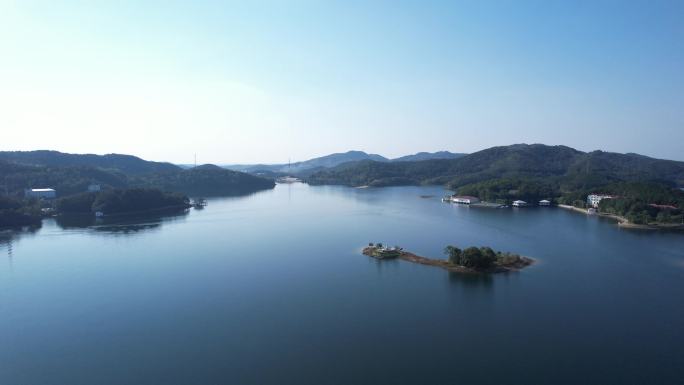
264, 81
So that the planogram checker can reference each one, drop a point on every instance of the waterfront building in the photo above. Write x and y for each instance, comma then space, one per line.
593, 200
519, 203
544, 202
464, 199
41, 193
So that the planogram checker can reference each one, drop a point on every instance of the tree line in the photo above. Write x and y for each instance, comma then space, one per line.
480, 257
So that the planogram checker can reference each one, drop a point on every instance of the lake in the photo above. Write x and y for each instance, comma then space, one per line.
272, 288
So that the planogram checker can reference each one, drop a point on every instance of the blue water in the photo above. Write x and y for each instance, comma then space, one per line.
272, 289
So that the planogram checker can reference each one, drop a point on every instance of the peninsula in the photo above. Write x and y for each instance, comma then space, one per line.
472, 260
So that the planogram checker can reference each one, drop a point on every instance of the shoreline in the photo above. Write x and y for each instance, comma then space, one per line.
444, 264
623, 222
137, 212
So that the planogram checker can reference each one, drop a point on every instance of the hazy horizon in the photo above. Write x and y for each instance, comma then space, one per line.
268, 81
200, 161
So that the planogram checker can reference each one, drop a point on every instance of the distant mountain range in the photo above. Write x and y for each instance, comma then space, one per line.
566, 167
428, 155
127, 164
646, 186
560, 168
311, 166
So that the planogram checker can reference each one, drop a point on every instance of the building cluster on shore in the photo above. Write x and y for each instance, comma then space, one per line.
593, 200
471, 200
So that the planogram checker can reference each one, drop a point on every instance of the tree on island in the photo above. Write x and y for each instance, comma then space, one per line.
478, 258
454, 254
473, 257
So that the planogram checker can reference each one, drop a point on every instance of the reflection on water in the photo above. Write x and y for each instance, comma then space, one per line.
384, 265
6, 243
472, 280
8, 237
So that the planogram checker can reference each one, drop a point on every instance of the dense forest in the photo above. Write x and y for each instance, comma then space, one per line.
117, 201
14, 178
644, 203
561, 165
506, 190
127, 164
18, 212
206, 180
69, 180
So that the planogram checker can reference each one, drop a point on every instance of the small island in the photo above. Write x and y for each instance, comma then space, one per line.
474, 260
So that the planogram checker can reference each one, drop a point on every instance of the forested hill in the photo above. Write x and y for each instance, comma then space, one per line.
566, 167
308, 166
69, 180
428, 155
14, 178
207, 180
127, 164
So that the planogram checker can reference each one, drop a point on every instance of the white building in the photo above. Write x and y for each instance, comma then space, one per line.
544, 202
94, 188
594, 199
465, 199
519, 203
43, 193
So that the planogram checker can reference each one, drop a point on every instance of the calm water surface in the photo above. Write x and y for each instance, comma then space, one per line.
272, 289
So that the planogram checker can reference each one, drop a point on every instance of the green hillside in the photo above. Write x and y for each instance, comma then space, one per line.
126, 187
559, 165
127, 164
204, 180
